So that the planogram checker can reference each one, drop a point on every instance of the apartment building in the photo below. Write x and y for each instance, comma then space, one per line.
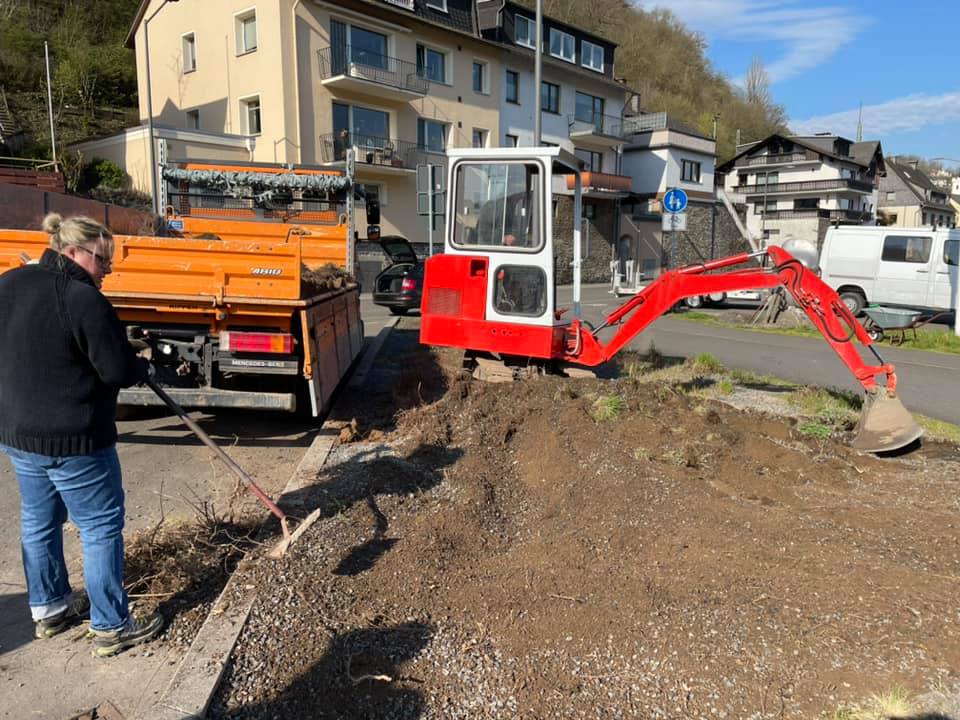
910, 198
582, 107
661, 153
798, 186
397, 81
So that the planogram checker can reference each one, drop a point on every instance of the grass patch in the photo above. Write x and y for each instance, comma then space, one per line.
938, 429
607, 407
725, 386
896, 702
944, 341
706, 364
815, 429
828, 407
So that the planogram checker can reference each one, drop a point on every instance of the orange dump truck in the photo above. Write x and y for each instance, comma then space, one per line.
231, 303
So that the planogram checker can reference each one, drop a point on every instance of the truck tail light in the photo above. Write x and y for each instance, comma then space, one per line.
256, 342
408, 284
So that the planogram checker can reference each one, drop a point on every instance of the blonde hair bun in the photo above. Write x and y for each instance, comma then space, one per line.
51, 223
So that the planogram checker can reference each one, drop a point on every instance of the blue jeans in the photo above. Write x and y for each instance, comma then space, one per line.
88, 488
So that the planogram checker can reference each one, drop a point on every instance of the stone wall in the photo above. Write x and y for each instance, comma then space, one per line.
711, 233
602, 230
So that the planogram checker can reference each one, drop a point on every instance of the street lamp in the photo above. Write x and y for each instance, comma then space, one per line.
154, 189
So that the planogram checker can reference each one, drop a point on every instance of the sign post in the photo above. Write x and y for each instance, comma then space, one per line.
675, 219
430, 197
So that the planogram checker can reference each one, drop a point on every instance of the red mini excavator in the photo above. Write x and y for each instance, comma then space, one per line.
493, 289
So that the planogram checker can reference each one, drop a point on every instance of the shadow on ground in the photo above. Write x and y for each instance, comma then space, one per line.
16, 627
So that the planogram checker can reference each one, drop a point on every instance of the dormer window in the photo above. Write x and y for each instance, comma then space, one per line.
591, 56
562, 45
525, 31
440, 5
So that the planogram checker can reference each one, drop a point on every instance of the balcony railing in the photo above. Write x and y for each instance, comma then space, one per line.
604, 182
805, 186
777, 159
373, 150
646, 122
858, 216
609, 125
348, 61
405, 4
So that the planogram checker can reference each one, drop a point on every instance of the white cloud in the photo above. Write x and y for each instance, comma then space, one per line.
807, 36
893, 116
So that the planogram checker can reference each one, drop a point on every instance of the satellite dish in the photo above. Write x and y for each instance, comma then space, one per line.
804, 251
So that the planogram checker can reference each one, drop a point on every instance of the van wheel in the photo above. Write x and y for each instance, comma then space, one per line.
854, 300
714, 299
398, 311
694, 302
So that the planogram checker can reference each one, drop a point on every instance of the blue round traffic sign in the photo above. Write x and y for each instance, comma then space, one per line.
675, 201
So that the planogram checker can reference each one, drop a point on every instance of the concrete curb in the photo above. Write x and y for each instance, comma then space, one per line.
188, 695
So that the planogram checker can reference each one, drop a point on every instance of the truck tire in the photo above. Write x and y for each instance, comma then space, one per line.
854, 300
399, 311
695, 302
714, 299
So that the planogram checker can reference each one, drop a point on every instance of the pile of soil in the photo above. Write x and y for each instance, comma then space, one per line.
536, 550
326, 278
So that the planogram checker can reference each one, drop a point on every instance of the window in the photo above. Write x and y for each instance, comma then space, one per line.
525, 31
250, 115
951, 252
591, 56
589, 213
193, 119
189, 59
520, 290
512, 85
806, 203
373, 191
589, 109
771, 207
365, 128
480, 77
431, 64
431, 135
742, 178
368, 47
562, 45
437, 5
550, 97
511, 141
904, 248
498, 205
479, 138
689, 171
593, 161
246, 31
771, 178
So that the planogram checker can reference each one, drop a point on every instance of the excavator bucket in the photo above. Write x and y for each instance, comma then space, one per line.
885, 424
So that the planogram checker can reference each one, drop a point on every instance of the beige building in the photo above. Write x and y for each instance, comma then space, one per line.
910, 198
305, 80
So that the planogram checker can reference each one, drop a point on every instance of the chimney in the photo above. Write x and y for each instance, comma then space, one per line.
913, 163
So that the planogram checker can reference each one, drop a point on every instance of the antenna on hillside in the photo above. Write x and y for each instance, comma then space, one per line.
860, 124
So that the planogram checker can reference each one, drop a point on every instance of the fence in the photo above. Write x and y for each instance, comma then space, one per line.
23, 208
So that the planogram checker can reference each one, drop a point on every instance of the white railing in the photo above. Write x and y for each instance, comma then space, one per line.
405, 4
645, 123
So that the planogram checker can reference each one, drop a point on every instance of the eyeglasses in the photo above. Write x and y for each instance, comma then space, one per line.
102, 260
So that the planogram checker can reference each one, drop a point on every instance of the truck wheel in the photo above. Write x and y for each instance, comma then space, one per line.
715, 299
854, 300
398, 311
694, 302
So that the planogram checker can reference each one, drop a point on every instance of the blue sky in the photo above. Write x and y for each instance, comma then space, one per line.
825, 57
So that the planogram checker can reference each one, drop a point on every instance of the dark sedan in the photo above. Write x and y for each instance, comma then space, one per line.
399, 287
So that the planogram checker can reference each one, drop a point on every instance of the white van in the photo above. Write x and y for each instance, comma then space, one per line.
906, 267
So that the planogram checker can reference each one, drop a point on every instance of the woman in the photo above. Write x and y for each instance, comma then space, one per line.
63, 358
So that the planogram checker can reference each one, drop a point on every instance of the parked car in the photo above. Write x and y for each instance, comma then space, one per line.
903, 267
400, 286
713, 299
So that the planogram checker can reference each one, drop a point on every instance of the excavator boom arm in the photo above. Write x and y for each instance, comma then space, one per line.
821, 304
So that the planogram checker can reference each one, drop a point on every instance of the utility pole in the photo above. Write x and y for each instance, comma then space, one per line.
53, 137
538, 77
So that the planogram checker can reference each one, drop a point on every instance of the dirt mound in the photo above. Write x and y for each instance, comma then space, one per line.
581, 549
315, 281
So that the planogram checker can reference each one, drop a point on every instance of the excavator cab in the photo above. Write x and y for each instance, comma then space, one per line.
494, 287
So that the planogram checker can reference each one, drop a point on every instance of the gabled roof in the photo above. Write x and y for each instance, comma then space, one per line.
915, 176
137, 19
861, 153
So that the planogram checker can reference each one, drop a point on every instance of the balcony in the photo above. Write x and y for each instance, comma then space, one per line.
601, 185
778, 159
813, 186
596, 132
377, 155
842, 216
345, 70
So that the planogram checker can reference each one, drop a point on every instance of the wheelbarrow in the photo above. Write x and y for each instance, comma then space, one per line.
895, 321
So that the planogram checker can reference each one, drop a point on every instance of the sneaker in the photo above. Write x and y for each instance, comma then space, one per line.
137, 630
77, 610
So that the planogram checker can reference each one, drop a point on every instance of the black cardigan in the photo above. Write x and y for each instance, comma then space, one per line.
64, 356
